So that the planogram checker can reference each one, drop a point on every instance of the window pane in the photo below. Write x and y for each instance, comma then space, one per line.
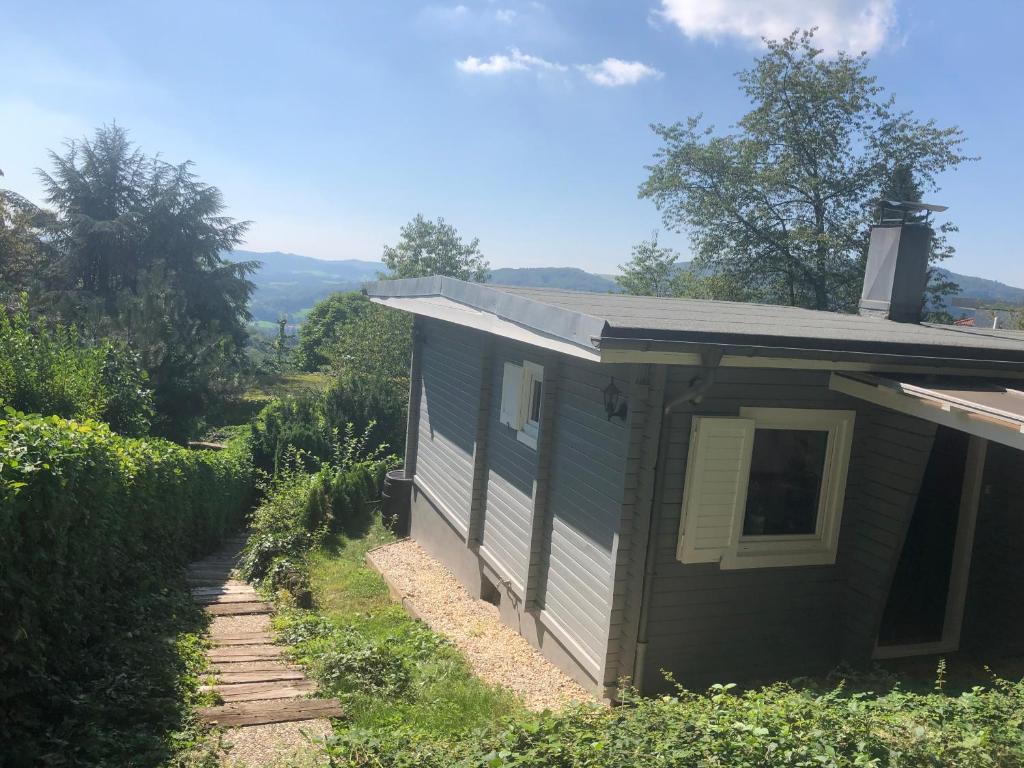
535, 399
785, 481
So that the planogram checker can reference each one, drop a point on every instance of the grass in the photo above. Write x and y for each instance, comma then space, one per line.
390, 670
270, 386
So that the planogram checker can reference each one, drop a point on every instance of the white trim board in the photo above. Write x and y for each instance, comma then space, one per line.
796, 363
986, 426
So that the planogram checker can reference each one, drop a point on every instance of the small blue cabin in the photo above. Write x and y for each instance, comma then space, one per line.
732, 492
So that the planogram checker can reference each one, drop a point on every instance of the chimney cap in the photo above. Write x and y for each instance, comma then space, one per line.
911, 205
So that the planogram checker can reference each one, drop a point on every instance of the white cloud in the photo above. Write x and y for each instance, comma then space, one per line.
505, 15
615, 72
843, 25
514, 61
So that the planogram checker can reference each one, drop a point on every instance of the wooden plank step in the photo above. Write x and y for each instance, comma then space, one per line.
238, 609
276, 711
283, 689
231, 597
267, 676
219, 576
243, 638
264, 665
214, 590
244, 653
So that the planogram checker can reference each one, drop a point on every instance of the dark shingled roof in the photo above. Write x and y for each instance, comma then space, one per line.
623, 319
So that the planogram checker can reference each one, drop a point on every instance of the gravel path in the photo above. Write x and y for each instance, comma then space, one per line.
497, 653
279, 745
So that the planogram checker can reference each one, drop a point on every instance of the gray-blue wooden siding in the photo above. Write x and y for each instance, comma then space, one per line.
450, 370
707, 624
582, 508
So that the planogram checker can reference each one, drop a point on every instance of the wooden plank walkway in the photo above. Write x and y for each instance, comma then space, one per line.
252, 678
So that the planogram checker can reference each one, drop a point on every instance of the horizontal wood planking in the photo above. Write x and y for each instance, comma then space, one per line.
243, 653
711, 625
585, 501
283, 689
269, 674
450, 370
246, 638
264, 712
506, 529
238, 609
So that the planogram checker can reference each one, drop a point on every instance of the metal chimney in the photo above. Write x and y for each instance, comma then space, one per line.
896, 274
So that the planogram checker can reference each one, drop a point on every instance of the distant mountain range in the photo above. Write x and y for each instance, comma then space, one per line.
289, 284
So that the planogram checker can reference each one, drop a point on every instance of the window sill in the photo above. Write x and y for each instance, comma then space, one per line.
527, 439
764, 558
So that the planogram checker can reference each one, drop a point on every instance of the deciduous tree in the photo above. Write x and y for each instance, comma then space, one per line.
781, 205
435, 248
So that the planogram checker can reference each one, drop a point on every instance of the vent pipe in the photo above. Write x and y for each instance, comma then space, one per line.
896, 274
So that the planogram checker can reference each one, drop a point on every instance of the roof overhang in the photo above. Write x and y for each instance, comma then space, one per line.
486, 309
987, 409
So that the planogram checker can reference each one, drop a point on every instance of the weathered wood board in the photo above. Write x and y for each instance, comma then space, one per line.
275, 711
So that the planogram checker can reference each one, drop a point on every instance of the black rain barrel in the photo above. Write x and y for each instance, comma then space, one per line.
396, 501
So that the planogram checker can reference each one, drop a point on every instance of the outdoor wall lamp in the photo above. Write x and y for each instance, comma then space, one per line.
615, 403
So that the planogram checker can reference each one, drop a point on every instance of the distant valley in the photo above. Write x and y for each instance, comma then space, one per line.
289, 284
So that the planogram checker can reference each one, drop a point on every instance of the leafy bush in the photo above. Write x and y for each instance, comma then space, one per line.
299, 509
52, 369
779, 725
92, 527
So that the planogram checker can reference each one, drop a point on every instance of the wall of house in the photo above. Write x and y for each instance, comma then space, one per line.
449, 393
584, 506
539, 524
993, 622
711, 625
511, 475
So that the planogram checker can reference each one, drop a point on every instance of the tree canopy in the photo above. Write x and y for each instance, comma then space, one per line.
781, 205
652, 270
134, 250
435, 248
319, 333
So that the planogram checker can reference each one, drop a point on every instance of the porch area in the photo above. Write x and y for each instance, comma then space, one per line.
955, 584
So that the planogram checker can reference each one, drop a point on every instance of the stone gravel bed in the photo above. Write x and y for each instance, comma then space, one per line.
497, 654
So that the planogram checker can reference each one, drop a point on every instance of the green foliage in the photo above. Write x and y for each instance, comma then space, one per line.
371, 358
652, 270
370, 393
300, 509
781, 206
779, 725
93, 529
403, 685
435, 248
52, 369
324, 324
137, 254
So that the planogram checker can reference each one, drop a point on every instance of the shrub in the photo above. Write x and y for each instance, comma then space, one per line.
52, 369
314, 422
776, 726
299, 509
92, 524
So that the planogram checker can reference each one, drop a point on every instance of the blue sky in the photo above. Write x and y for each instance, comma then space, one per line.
330, 124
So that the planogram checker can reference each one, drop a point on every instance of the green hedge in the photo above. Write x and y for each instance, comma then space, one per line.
780, 726
91, 524
54, 369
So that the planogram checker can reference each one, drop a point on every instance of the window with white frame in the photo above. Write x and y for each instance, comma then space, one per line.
522, 396
765, 489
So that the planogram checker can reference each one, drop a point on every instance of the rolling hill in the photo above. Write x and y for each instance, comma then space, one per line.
289, 284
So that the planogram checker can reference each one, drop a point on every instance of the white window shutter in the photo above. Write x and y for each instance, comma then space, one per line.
715, 493
511, 396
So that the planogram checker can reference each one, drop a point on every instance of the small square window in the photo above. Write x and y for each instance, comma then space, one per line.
765, 489
786, 470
